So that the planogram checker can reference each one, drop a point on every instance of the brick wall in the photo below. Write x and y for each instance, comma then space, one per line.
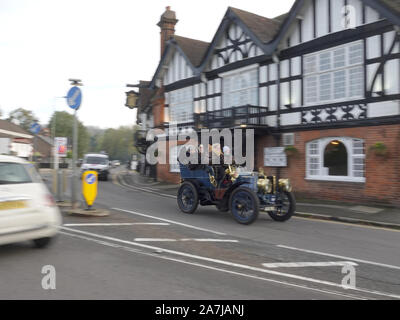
163, 170
382, 173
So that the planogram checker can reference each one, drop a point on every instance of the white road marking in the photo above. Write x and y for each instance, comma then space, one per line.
308, 264
154, 240
184, 240
169, 221
115, 224
232, 264
341, 257
158, 256
211, 240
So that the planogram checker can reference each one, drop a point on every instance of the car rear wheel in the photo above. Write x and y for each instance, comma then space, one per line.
188, 198
41, 243
244, 205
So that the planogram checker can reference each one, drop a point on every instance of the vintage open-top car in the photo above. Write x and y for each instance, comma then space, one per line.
245, 194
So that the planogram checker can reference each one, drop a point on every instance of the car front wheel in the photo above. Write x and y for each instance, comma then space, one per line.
41, 243
244, 205
286, 207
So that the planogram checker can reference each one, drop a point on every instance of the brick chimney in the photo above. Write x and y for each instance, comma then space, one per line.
167, 25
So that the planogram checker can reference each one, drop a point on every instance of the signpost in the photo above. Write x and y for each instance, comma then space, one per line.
60, 150
74, 100
275, 157
89, 187
35, 129
61, 145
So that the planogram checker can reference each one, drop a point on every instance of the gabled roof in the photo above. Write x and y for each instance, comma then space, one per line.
263, 28
193, 49
265, 32
260, 29
390, 9
11, 127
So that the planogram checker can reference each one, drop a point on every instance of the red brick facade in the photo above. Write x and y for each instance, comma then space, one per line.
163, 170
382, 173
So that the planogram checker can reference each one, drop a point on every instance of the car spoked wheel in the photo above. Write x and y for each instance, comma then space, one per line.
188, 198
244, 205
285, 207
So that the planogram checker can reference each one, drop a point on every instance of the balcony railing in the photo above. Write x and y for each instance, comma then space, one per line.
251, 116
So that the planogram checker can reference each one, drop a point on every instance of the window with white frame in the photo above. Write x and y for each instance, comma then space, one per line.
181, 106
335, 74
336, 159
240, 88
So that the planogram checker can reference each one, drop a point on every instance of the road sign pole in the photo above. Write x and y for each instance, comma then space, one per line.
74, 161
74, 99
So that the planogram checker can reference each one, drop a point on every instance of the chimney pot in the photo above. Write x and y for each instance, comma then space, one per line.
167, 25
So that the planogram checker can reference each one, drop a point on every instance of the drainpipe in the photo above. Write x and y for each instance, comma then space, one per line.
277, 137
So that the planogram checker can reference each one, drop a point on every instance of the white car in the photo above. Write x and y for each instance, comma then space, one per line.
96, 162
27, 209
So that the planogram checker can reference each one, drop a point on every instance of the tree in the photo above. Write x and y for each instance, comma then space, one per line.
22, 117
63, 123
118, 143
96, 138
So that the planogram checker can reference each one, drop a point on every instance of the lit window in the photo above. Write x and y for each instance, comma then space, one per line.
336, 159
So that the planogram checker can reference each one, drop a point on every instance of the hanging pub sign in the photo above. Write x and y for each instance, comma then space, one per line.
131, 99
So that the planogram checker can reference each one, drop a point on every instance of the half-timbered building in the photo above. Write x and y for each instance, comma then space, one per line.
323, 81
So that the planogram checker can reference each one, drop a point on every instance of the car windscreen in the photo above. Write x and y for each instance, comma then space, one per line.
96, 160
14, 173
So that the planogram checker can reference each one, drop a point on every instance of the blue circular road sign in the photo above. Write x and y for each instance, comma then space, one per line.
35, 128
74, 98
90, 178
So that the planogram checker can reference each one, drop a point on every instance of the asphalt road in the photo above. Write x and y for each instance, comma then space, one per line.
147, 249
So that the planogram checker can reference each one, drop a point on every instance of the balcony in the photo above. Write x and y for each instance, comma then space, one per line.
244, 116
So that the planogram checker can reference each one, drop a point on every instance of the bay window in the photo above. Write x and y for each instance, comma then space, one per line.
335, 74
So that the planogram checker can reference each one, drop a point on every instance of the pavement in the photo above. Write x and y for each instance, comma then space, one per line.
352, 213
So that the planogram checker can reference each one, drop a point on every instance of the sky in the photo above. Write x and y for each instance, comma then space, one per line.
105, 43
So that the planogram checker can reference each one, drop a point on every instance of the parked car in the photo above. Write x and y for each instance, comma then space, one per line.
96, 162
27, 209
115, 163
244, 194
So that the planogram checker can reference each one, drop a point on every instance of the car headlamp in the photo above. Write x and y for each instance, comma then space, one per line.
264, 185
285, 185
